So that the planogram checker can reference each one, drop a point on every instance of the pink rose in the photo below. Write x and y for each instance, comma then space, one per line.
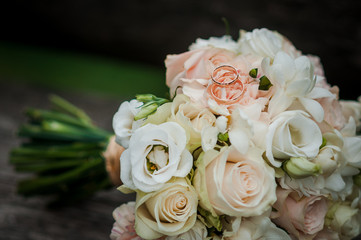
195, 66
303, 216
123, 228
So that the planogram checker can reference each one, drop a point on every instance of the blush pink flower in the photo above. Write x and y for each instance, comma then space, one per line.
333, 109
302, 217
194, 67
123, 228
242, 93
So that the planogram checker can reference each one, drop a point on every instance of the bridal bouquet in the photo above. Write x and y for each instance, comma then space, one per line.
253, 144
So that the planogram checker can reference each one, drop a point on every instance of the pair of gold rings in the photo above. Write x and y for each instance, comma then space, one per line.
226, 87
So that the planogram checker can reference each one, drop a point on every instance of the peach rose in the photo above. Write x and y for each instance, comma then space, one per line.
303, 217
235, 184
194, 67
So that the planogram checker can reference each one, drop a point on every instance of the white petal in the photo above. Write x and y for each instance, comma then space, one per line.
209, 137
335, 182
239, 139
313, 107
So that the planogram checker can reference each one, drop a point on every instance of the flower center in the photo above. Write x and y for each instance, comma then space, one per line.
157, 158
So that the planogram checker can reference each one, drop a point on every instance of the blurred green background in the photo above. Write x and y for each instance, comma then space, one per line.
66, 70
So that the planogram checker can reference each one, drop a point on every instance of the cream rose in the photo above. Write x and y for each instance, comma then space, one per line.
257, 228
292, 134
234, 184
170, 211
303, 217
156, 153
123, 122
192, 117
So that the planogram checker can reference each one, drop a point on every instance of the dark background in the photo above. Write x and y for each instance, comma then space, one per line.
146, 31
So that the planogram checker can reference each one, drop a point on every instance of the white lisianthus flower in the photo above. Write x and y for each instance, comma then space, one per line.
292, 134
156, 153
123, 121
329, 160
192, 117
225, 42
265, 43
197, 232
293, 79
170, 211
260, 227
235, 184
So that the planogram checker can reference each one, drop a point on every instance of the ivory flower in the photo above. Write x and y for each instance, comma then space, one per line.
123, 122
192, 117
230, 183
265, 43
170, 211
156, 153
292, 134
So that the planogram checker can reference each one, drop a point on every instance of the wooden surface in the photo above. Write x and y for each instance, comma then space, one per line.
22, 218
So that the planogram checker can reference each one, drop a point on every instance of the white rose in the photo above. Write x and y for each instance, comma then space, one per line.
197, 232
293, 79
292, 134
265, 43
170, 211
230, 183
259, 228
192, 117
225, 42
156, 153
123, 122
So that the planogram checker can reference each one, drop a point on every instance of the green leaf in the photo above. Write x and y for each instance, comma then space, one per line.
253, 73
264, 83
